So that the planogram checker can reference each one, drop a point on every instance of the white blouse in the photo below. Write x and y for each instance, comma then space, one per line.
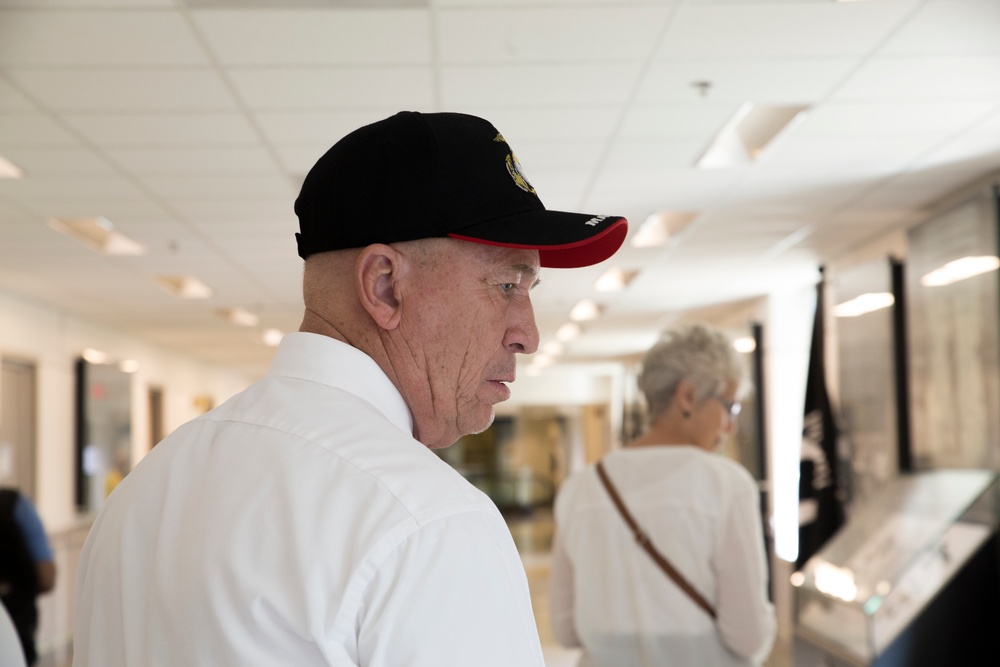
701, 511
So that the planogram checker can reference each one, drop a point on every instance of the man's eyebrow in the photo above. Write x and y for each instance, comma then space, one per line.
530, 270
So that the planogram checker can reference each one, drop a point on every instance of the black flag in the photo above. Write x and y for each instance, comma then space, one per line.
820, 510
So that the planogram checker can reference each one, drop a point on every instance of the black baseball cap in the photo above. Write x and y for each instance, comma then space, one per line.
425, 175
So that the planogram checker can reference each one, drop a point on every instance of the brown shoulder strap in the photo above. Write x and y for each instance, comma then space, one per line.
646, 544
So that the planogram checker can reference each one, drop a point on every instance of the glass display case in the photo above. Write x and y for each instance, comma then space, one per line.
860, 600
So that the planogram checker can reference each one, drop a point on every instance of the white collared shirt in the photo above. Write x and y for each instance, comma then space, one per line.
608, 595
300, 523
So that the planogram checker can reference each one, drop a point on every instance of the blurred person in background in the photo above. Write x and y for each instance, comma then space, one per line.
688, 506
27, 568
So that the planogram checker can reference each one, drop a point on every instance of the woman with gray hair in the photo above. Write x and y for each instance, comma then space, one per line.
667, 502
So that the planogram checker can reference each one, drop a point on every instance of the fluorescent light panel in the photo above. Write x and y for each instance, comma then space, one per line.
184, 287
584, 310
568, 331
864, 304
241, 317
658, 228
748, 133
554, 348
9, 170
97, 234
614, 280
272, 337
960, 269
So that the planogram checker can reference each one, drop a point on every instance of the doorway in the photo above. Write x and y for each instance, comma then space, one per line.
17, 424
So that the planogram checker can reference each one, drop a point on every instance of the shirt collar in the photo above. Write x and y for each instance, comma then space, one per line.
328, 361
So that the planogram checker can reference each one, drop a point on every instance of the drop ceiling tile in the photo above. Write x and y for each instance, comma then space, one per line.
11, 215
97, 37
591, 122
763, 30
738, 80
208, 160
298, 161
115, 130
66, 187
59, 161
887, 151
925, 79
654, 154
276, 209
117, 209
652, 190
703, 118
11, 98
309, 89
317, 37
569, 5
33, 130
546, 85
909, 192
939, 118
955, 27
120, 90
559, 189
213, 186
164, 236
556, 155
548, 34
70, 4
288, 129
978, 149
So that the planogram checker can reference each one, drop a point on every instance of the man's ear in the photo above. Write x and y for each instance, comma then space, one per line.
377, 271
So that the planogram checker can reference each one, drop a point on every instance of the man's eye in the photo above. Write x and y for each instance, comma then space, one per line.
507, 287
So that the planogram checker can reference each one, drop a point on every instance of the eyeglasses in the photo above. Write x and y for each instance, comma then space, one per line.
731, 407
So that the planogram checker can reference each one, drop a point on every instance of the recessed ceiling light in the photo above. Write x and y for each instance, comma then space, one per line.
660, 227
98, 234
960, 269
128, 365
241, 317
184, 287
553, 348
568, 331
9, 170
584, 310
863, 304
745, 345
90, 355
272, 337
748, 133
614, 280
541, 360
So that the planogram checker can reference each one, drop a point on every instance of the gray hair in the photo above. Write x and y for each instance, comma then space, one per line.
698, 353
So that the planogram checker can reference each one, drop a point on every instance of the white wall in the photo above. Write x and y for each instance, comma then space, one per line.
53, 340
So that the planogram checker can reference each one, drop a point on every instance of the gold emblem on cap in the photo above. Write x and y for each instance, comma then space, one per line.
514, 168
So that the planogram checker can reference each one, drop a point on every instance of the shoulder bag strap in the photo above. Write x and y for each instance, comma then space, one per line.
646, 544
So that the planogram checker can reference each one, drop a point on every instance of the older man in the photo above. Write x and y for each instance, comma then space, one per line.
305, 521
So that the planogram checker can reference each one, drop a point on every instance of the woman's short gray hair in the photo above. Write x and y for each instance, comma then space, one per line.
698, 353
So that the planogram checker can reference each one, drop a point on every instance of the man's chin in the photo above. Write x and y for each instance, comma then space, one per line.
473, 428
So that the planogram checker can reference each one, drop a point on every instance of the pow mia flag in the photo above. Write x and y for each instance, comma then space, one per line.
821, 512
